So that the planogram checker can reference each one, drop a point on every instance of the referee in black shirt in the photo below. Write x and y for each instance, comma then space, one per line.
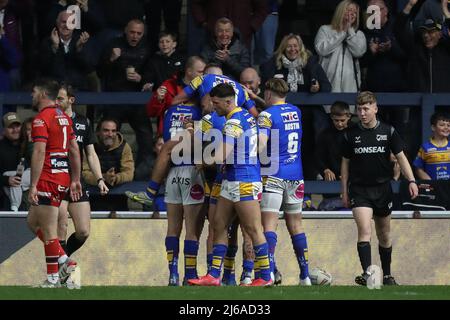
366, 173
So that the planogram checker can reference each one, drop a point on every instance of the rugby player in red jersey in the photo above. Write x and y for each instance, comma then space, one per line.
54, 146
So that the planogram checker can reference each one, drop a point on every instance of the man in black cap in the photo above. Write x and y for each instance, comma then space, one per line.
9, 156
429, 53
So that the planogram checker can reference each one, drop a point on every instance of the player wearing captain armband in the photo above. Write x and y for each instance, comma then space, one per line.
281, 129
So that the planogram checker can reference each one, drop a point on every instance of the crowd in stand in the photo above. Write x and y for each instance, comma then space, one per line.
120, 47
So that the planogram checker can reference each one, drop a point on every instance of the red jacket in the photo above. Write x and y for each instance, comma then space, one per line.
156, 108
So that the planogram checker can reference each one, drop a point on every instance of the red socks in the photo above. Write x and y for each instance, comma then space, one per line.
52, 253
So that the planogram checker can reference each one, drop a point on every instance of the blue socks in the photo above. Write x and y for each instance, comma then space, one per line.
228, 264
262, 261
301, 251
190, 259
172, 249
271, 238
209, 258
219, 251
152, 189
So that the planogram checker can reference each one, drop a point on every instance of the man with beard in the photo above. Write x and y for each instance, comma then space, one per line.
116, 162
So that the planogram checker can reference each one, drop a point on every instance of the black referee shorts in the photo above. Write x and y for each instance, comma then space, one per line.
84, 195
378, 197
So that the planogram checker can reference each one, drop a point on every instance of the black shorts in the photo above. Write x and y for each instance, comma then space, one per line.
84, 195
378, 197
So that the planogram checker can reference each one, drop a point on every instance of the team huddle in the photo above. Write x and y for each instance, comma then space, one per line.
248, 170
235, 191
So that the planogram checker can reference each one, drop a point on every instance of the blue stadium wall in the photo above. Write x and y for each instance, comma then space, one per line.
131, 252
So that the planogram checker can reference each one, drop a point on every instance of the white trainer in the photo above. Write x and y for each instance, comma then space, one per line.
66, 269
305, 282
47, 284
246, 279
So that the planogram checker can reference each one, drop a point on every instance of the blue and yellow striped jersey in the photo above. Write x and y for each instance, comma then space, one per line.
241, 132
286, 119
434, 160
175, 116
202, 85
174, 119
210, 123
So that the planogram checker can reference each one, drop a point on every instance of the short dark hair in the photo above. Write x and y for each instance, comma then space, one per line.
278, 86
222, 90
107, 119
439, 115
68, 88
165, 33
50, 87
340, 108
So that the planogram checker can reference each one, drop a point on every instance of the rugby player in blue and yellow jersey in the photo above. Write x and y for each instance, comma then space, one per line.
201, 86
241, 187
184, 197
283, 187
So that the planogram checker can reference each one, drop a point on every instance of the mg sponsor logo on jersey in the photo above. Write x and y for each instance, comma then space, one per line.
381, 137
364, 150
290, 117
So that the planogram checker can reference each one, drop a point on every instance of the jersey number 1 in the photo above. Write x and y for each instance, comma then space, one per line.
65, 137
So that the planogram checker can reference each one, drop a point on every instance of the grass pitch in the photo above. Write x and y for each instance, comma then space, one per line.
229, 293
